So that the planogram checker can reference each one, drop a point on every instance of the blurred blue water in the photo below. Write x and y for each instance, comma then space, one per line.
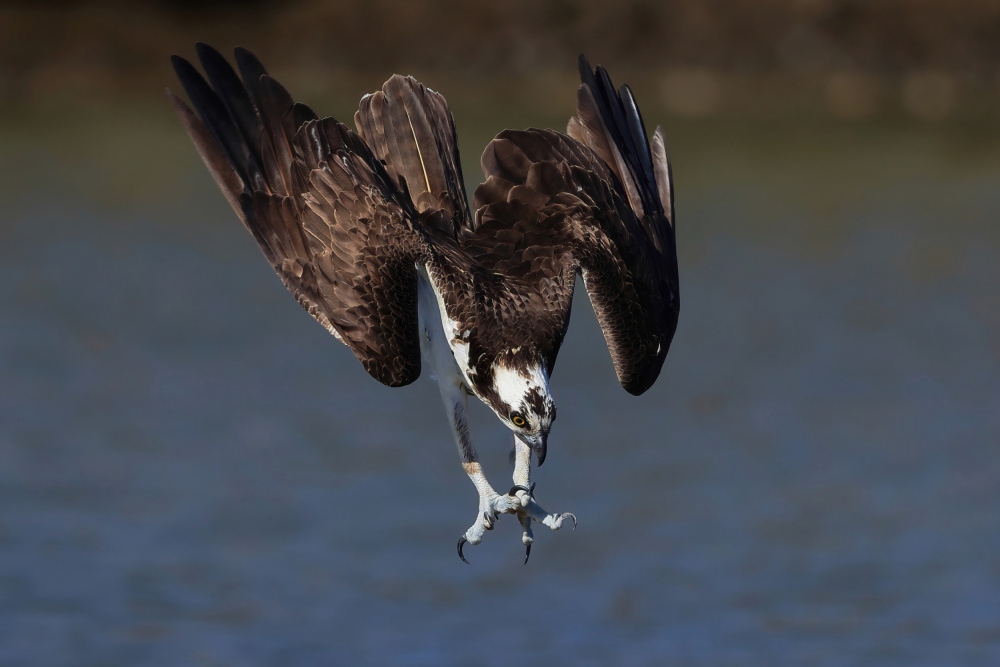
193, 472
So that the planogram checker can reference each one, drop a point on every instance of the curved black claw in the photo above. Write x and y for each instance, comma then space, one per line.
488, 521
527, 553
461, 543
571, 516
517, 487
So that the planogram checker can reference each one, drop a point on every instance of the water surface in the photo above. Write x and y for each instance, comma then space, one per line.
193, 472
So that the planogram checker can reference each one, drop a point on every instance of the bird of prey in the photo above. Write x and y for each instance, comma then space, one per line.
371, 231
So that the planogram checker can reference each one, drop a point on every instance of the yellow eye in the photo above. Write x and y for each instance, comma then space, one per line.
518, 421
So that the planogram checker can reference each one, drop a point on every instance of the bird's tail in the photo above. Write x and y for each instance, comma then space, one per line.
412, 132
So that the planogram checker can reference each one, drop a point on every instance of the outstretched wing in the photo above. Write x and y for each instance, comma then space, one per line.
341, 234
600, 203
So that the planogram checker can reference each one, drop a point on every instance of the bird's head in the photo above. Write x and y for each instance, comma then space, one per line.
519, 395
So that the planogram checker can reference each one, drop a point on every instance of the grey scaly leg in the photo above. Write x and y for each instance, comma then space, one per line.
528, 509
491, 503
434, 346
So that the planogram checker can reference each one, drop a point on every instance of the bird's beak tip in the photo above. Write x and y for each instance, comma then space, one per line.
538, 444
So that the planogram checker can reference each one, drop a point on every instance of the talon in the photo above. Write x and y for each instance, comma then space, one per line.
487, 521
571, 516
517, 487
531, 490
461, 543
527, 553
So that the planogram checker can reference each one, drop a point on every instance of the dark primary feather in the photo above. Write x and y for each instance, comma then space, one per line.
235, 99
644, 167
622, 127
218, 164
214, 116
612, 125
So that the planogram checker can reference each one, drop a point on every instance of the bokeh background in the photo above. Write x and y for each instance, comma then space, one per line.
193, 473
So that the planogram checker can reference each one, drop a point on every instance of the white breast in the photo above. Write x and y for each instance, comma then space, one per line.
443, 343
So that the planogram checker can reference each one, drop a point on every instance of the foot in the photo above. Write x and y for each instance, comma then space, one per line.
517, 501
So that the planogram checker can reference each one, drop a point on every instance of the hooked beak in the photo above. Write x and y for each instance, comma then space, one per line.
537, 444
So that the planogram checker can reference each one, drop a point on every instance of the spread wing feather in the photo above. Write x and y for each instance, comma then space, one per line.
341, 235
600, 202
345, 218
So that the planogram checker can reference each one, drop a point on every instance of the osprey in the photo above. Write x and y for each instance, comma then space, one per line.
372, 233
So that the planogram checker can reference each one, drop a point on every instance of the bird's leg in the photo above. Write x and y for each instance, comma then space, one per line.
528, 510
435, 348
491, 503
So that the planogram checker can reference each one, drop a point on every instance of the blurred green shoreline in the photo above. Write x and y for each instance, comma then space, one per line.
786, 58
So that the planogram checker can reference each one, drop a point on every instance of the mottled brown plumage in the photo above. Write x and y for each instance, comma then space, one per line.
348, 219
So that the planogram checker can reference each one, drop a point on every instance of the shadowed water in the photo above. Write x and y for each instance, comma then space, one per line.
192, 472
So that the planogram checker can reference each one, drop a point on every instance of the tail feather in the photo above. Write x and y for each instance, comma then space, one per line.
401, 135
411, 131
424, 136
